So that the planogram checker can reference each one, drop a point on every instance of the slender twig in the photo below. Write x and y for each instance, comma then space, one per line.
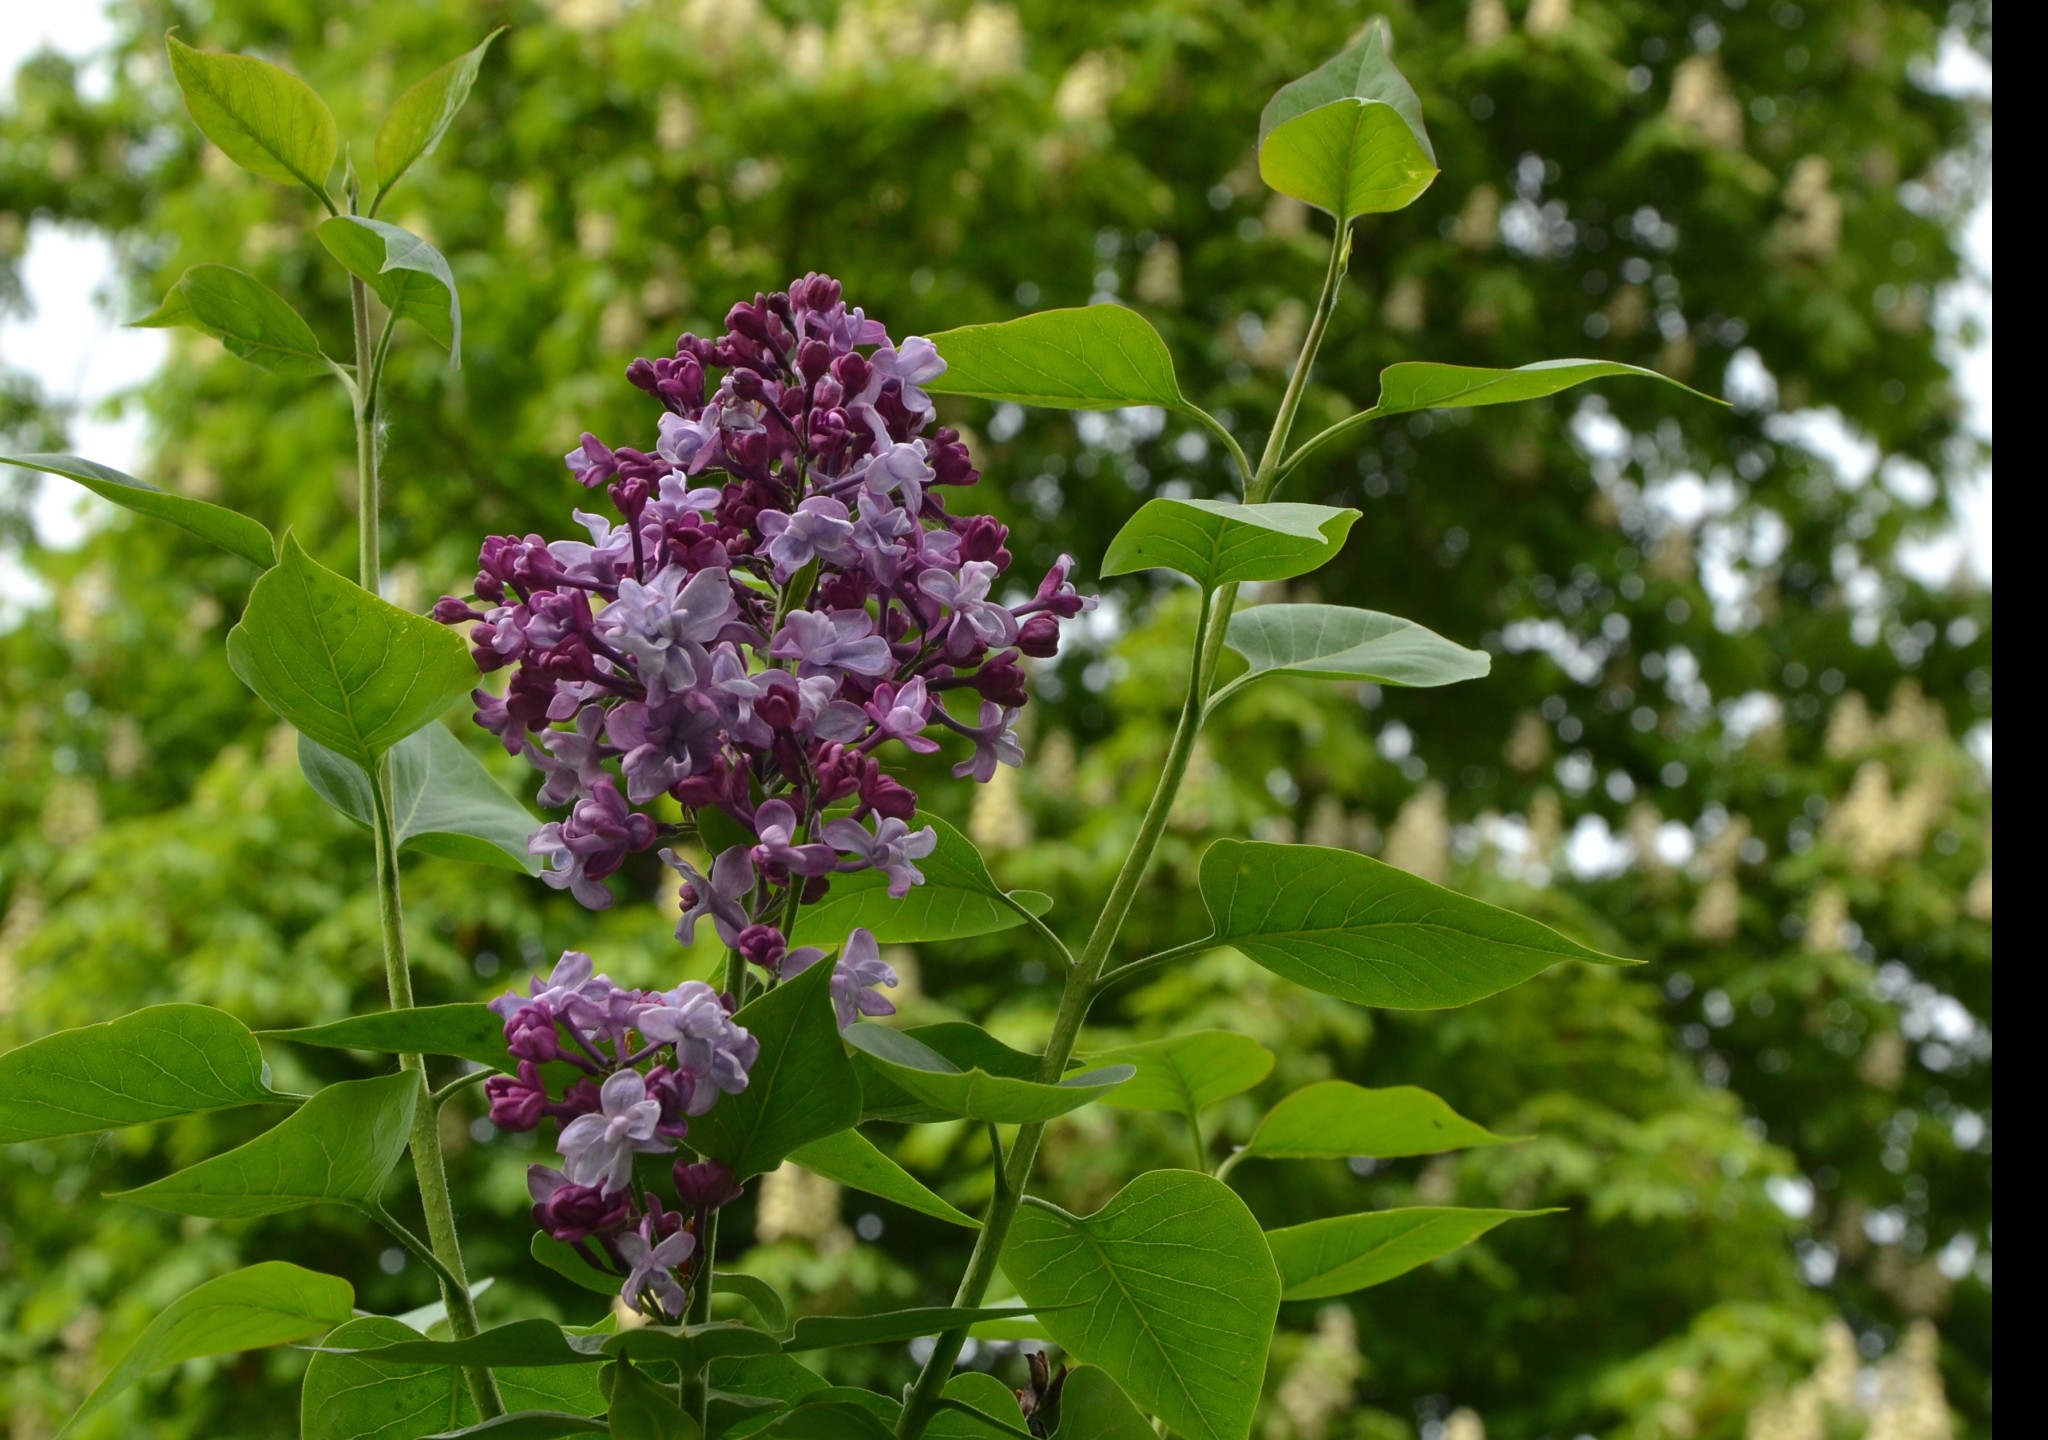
461, 1082
1154, 962
1039, 927
420, 1249
1218, 428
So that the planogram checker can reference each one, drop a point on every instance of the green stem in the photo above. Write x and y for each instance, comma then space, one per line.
1153, 962
696, 1389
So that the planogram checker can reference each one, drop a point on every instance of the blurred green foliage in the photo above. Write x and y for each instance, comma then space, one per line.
1783, 1117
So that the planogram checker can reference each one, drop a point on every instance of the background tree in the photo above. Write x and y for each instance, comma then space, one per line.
1705, 646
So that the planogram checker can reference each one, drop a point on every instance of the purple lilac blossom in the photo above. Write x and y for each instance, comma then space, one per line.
860, 968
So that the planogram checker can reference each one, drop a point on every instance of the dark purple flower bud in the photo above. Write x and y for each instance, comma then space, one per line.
951, 464
1038, 637
671, 1089
706, 1185
1057, 595
1001, 679
762, 945
982, 537
814, 359
885, 796
517, 1102
450, 611
852, 372
571, 1212
530, 1033
593, 461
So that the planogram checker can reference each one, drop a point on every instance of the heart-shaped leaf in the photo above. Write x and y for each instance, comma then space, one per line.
358, 1397
974, 1093
410, 276
351, 670
237, 534
248, 317
266, 120
1218, 542
1351, 927
1351, 1252
835, 1332
337, 1148
643, 1409
1094, 357
1335, 642
958, 898
443, 801
1094, 1407
1169, 1287
1336, 1119
766, 1300
801, 1088
852, 1159
273, 1303
1348, 137
467, 1031
1185, 1073
984, 1393
415, 125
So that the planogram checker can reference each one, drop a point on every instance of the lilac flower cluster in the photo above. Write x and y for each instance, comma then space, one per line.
787, 595
644, 1062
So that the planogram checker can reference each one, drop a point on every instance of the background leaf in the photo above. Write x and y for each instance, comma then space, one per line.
336, 1148
974, 1093
1337, 1119
443, 801
410, 276
237, 534
266, 120
156, 1063
1350, 926
273, 1303
1092, 357
357, 1397
245, 315
1094, 1407
1336, 642
801, 1089
852, 1159
833, 1332
354, 672
531, 1343
766, 1300
422, 115
1350, 1252
1174, 1291
958, 898
1185, 1073
1216, 542
467, 1031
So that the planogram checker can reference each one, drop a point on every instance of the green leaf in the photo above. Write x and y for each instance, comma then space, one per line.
527, 1425
974, 1093
763, 1380
1425, 385
985, 1393
466, 1031
1348, 137
237, 534
355, 1397
410, 276
267, 121
692, 1347
836, 1332
565, 1262
1094, 1407
1351, 1252
765, 1299
1218, 542
1172, 1290
801, 1088
968, 1047
336, 1148
852, 1159
526, 1343
1186, 1073
268, 1304
644, 1410
1351, 927
1093, 357
248, 317
1335, 642
1336, 1119
830, 1420
415, 125
355, 673
443, 801
156, 1063
958, 898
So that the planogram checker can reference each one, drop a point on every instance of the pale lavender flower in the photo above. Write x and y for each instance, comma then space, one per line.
653, 1264
903, 470
598, 1149
818, 530
571, 976
840, 641
902, 712
718, 896
860, 968
994, 741
717, 1052
573, 762
776, 822
665, 625
593, 842
662, 743
890, 849
913, 363
689, 445
976, 619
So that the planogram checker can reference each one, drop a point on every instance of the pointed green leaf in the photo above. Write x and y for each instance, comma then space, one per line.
1094, 1407
822, 1419
156, 1063
801, 1088
1218, 542
984, 1393
958, 898
423, 114
358, 1397
1351, 927
764, 1384
836, 1332
852, 1159
643, 1409
268, 1304
527, 1424
264, 119
354, 672
528, 1343
410, 276
237, 534
467, 1031
248, 317
1351, 1252
571, 1266
1093, 357
766, 1300
1348, 137
443, 801
1336, 1119
1173, 1293
968, 1047
1186, 1073
337, 1148
1335, 642
691, 1347
974, 1093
